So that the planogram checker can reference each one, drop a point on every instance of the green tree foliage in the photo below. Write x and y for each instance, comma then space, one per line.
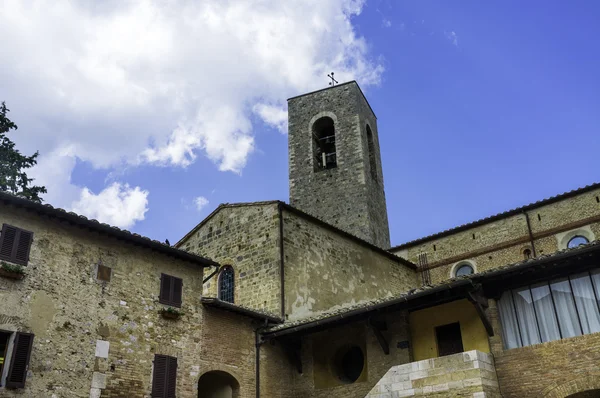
13, 164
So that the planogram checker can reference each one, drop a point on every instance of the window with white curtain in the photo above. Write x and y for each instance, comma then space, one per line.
552, 310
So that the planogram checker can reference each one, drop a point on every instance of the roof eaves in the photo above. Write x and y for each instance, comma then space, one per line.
497, 216
97, 226
216, 303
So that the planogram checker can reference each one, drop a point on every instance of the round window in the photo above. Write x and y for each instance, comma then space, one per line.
349, 362
577, 241
463, 270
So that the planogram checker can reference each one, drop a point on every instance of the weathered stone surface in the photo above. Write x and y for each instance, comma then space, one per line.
347, 196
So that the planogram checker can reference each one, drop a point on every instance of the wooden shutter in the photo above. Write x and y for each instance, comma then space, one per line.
22, 247
7, 242
15, 244
164, 378
171, 377
165, 289
176, 291
159, 377
19, 361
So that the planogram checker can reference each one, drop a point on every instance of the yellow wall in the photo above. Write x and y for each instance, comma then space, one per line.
424, 322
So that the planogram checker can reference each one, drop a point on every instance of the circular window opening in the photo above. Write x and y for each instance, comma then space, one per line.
349, 363
464, 269
577, 241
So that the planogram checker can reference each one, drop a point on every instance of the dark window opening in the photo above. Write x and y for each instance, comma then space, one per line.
473, 236
226, 284
170, 290
18, 363
577, 241
324, 152
349, 363
104, 273
15, 244
434, 248
527, 254
539, 217
372, 161
449, 339
164, 376
597, 199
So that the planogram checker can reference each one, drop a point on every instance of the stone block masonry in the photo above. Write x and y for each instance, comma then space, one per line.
349, 196
468, 374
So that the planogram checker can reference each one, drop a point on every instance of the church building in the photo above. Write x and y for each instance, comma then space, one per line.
307, 298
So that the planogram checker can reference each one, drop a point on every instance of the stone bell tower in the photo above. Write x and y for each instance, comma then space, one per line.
335, 163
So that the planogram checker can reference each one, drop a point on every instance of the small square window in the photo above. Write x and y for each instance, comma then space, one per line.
104, 273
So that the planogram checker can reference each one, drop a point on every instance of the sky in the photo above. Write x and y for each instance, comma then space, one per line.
150, 113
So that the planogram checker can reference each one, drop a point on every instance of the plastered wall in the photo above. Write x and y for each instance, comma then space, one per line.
327, 271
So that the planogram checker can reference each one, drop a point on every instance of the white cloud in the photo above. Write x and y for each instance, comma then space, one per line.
148, 82
452, 36
386, 23
200, 202
118, 205
275, 116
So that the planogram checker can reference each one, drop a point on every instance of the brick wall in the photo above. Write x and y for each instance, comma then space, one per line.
502, 241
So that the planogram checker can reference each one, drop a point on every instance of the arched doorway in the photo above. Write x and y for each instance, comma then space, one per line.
218, 384
586, 394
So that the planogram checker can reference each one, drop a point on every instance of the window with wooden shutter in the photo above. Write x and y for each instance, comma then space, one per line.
170, 290
19, 362
15, 244
164, 377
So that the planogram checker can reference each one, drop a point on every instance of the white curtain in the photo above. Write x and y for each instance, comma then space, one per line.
565, 308
526, 316
544, 309
586, 303
508, 319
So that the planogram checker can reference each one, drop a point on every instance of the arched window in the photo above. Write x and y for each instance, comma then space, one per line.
527, 253
323, 132
371, 148
464, 269
226, 284
576, 241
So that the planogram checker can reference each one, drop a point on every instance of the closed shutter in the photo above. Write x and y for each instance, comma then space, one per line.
19, 362
23, 246
164, 378
171, 377
15, 244
159, 377
176, 292
165, 289
8, 239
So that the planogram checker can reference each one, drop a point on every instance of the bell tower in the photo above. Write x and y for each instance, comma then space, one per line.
334, 161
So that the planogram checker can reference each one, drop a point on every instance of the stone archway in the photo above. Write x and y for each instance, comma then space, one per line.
218, 384
583, 387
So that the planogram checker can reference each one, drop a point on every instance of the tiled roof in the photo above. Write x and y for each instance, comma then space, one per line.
380, 303
107, 229
498, 216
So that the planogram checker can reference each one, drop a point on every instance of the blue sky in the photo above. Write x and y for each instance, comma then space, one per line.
138, 110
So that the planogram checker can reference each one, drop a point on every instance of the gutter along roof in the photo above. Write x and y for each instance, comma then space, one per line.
499, 216
102, 228
429, 296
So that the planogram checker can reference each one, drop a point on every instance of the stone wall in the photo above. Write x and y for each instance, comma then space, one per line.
246, 237
96, 338
345, 196
325, 270
501, 242
468, 374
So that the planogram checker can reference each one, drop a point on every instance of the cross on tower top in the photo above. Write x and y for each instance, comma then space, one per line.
333, 82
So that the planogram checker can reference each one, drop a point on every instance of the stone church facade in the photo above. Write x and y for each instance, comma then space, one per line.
306, 299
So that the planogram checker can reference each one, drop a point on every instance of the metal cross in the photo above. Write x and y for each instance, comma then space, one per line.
333, 82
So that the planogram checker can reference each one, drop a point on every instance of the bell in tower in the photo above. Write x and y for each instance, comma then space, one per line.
335, 164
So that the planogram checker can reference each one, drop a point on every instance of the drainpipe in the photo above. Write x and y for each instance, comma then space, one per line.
530, 233
281, 260
211, 275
